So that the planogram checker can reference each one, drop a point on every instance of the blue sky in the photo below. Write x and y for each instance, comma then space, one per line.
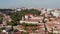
30, 3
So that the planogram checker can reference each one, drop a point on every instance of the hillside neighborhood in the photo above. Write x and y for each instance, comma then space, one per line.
30, 21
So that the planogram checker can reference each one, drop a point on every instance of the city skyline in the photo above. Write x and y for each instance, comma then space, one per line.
30, 3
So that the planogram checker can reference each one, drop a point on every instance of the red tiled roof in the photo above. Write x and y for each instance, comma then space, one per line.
52, 21
3, 33
17, 32
38, 16
34, 16
30, 31
29, 14
32, 20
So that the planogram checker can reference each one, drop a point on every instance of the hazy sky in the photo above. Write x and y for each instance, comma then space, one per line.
30, 3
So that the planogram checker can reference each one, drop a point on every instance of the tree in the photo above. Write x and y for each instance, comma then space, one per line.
1, 19
35, 11
45, 25
12, 23
1, 29
17, 16
26, 24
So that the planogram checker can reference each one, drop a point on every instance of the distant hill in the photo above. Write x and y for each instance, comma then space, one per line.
6, 11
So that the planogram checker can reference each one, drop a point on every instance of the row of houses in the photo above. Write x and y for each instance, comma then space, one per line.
52, 22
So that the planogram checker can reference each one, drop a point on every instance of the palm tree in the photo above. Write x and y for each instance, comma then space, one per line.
52, 30
46, 30
44, 24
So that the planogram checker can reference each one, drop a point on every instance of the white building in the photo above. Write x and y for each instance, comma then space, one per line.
31, 19
56, 13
